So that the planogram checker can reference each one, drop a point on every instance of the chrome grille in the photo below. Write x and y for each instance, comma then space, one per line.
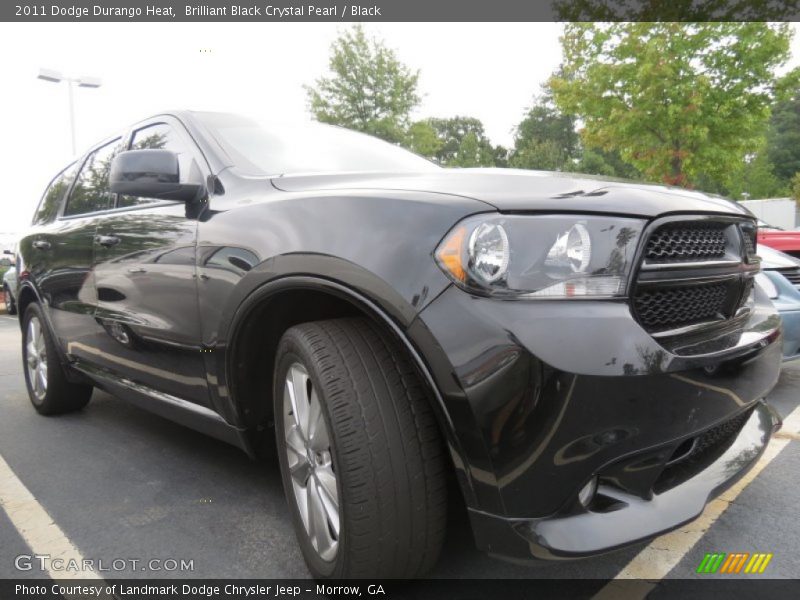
687, 242
695, 271
749, 239
793, 275
660, 309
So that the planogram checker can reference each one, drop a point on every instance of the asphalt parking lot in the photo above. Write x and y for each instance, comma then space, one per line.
121, 483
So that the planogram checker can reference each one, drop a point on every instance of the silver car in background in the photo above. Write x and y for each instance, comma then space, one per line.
10, 284
780, 279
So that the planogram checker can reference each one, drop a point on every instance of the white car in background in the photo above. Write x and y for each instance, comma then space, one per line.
10, 286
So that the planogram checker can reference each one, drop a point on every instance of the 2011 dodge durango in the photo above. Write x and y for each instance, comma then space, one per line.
588, 359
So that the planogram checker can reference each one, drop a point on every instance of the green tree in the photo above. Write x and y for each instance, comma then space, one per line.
369, 89
546, 138
675, 100
502, 156
756, 179
469, 152
783, 136
674, 10
796, 187
607, 163
463, 143
422, 139
539, 154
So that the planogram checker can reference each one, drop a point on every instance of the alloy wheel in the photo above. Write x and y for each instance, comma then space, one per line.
310, 461
36, 358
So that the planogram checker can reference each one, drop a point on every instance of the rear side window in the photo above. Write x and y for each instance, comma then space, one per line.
90, 192
53, 195
158, 137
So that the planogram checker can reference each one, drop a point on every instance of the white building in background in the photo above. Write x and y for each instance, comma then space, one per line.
780, 212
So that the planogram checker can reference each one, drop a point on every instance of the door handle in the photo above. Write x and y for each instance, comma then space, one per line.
41, 245
107, 240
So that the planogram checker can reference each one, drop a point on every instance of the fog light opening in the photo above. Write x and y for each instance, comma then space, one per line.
682, 452
586, 495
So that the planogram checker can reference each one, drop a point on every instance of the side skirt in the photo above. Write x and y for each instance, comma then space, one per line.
175, 409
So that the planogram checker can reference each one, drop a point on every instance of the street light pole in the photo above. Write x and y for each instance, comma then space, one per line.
85, 82
71, 117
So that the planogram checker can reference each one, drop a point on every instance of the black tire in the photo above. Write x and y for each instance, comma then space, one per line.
8, 300
385, 450
58, 395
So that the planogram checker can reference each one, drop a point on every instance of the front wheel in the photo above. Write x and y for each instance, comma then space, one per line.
48, 388
362, 461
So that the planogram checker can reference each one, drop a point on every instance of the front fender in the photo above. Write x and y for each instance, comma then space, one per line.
389, 311
372, 248
259, 281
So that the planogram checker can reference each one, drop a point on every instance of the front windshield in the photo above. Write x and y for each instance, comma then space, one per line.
281, 149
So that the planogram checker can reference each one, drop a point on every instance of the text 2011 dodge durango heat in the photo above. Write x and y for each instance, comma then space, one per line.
588, 358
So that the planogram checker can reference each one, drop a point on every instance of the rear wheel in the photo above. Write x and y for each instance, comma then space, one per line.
48, 388
360, 452
8, 300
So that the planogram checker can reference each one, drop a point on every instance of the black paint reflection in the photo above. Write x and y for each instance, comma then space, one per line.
147, 301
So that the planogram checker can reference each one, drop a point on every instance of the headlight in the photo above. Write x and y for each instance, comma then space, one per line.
488, 252
548, 256
572, 250
765, 283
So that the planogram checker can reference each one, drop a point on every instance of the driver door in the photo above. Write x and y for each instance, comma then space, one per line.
146, 280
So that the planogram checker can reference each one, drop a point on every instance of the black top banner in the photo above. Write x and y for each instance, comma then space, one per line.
401, 10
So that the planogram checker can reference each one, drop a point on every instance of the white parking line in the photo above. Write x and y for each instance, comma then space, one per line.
791, 424
638, 578
36, 527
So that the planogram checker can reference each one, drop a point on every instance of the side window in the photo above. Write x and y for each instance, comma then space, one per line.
53, 195
159, 137
90, 192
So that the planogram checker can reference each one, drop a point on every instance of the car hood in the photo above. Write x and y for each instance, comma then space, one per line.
517, 190
775, 259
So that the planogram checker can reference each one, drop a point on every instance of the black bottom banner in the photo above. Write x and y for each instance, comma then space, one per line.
459, 589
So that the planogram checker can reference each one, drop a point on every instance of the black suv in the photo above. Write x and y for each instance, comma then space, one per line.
587, 359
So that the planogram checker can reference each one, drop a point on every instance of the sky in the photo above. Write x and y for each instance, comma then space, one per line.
486, 70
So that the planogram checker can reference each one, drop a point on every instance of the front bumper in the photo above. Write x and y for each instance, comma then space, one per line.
628, 518
543, 397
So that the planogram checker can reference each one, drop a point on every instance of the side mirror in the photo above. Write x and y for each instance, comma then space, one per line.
151, 173
8, 252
